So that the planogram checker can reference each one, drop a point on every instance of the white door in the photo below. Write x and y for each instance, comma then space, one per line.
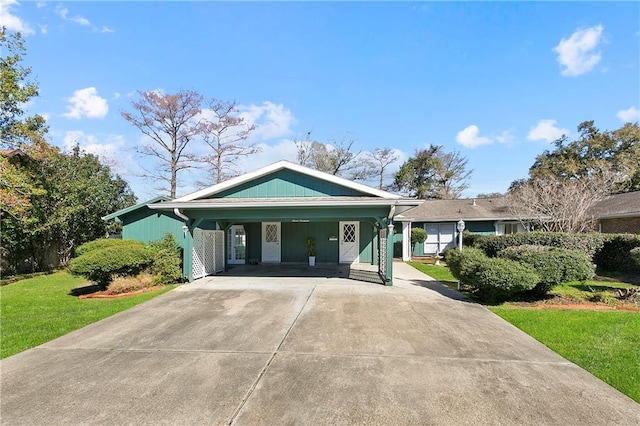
236, 245
349, 242
431, 243
447, 236
271, 242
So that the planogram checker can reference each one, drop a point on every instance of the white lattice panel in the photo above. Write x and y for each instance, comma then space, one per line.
208, 252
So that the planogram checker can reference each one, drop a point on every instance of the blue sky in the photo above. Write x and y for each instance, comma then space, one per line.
496, 81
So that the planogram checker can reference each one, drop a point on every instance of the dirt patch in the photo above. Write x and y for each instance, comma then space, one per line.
587, 307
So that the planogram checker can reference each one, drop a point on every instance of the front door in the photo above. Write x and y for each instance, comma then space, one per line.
271, 242
349, 242
236, 245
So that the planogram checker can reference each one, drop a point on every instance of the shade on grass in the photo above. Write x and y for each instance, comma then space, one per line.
605, 343
38, 310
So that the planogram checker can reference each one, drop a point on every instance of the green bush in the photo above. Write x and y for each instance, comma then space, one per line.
553, 265
635, 255
418, 235
103, 265
104, 243
500, 279
167, 260
461, 264
615, 253
588, 244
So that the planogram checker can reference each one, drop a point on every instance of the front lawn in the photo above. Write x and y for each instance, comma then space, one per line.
37, 310
438, 272
605, 343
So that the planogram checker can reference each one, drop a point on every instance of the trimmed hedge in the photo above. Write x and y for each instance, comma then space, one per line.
588, 244
103, 243
615, 254
167, 260
103, 265
494, 279
635, 255
553, 265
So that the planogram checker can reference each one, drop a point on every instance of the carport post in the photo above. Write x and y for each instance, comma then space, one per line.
389, 273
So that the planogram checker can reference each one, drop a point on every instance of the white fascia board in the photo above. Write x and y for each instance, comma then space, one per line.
290, 166
271, 203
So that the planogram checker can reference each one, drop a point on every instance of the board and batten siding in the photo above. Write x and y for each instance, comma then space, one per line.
285, 184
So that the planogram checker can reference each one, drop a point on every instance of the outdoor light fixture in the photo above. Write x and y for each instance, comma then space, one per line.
185, 229
460, 229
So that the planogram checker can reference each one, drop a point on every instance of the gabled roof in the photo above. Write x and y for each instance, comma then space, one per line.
285, 165
466, 209
122, 212
619, 205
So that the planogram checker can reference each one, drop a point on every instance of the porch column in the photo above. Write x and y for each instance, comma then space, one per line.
406, 241
389, 253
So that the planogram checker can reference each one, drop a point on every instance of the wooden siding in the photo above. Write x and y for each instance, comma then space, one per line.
287, 183
147, 225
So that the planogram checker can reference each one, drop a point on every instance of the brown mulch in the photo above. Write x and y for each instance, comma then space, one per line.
107, 295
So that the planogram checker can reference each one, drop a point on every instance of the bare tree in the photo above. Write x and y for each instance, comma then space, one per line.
377, 162
171, 122
451, 175
336, 158
558, 204
226, 134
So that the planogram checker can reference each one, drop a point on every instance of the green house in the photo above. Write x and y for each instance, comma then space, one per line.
266, 216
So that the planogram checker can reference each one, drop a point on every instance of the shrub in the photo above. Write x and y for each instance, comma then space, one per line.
103, 265
129, 284
500, 279
167, 259
104, 243
461, 264
588, 244
615, 253
553, 266
418, 235
635, 255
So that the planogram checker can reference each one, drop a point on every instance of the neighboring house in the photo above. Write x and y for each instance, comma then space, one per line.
618, 213
486, 216
267, 215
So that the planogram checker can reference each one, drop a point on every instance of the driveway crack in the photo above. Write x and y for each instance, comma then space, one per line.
271, 358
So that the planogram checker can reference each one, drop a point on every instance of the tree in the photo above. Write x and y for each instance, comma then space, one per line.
377, 162
433, 173
226, 135
20, 136
171, 121
15, 91
557, 204
337, 158
490, 195
617, 151
75, 192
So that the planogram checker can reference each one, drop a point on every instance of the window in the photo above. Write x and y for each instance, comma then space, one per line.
510, 228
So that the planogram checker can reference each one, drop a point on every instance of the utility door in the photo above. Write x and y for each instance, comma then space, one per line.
271, 242
349, 242
431, 244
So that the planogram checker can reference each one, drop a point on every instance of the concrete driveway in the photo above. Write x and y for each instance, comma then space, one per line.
231, 350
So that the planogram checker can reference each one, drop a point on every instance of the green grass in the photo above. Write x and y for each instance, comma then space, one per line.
437, 272
37, 310
603, 343
586, 290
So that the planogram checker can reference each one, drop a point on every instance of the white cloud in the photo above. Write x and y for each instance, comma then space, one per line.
41, 4
546, 130
577, 54
470, 137
11, 21
110, 149
63, 12
271, 120
43, 29
86, 103
629, 115
107, 30
505, 137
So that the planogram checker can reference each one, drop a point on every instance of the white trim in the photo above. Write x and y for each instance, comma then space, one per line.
294, 202
406, 241
280, 165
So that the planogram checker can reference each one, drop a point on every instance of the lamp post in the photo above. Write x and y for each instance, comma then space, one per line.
460, 229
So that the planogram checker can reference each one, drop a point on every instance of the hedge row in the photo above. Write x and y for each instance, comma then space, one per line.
610, 252
494, 279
